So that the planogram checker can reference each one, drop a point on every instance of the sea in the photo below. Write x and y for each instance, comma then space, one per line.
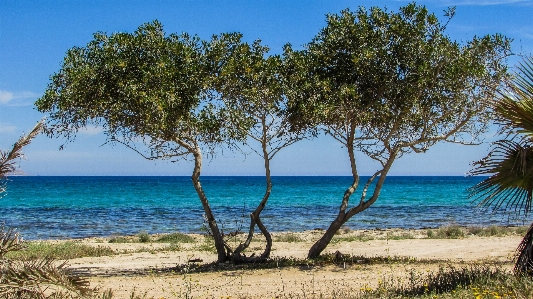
48, 207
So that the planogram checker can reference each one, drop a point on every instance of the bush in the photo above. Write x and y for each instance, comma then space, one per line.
289, 238
448, 232
176, 238
144, 237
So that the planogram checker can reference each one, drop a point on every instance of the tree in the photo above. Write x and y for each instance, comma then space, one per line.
250, 82
510, 160
150, 92
388, 84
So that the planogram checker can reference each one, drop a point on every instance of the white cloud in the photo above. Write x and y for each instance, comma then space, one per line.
7, 128
24, 98
5, 96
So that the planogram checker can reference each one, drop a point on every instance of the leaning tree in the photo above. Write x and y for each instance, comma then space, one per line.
510, 160
388, 84
250, 82
148, 91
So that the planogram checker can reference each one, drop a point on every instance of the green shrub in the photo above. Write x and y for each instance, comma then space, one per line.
448, 232
62, 251
176, 238
144, 237
289, 238
119, 239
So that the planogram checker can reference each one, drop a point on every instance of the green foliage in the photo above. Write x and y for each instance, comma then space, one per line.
447, 232
119, 239
144, 237
450, 282
60, 251
355, 238
396, 78
143, 86
176, 238
391, 83
289, 238
510, 160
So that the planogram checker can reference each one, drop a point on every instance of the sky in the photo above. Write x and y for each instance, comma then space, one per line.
35, 35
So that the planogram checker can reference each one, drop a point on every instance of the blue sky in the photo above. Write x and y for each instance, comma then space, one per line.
34, 36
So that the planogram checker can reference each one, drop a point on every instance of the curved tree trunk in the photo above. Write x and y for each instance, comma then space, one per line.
324, 241
524, 254
217, 236
255, 218
345, 215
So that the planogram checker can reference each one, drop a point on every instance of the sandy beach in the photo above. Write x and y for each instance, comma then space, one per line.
153, 272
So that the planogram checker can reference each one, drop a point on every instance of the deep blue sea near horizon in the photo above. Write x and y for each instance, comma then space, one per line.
46, 207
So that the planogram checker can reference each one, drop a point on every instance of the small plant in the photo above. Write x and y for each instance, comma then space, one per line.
475, 281
176, 238
119, 239
144, 237
62, 251
289, 238
448, 232
354, 238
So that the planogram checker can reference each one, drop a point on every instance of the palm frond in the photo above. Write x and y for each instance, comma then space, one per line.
33, 277
41, 278
510, 164
514, 108
7, 158
9, 241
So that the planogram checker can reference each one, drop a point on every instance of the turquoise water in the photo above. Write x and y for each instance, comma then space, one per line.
75, 207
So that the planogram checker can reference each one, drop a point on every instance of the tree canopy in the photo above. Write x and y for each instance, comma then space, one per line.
143, 84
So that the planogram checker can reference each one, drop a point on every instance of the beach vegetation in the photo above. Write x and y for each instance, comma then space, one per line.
59, 251
352, 238
151, 92
510, 160
119, 239
41, 277
144, 237
474, 281
175, 238
447, 232
289, 238
387, 84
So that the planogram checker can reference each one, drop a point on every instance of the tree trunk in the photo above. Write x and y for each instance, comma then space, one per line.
217, 236
255, 218
344, 214
524, 254
324, 241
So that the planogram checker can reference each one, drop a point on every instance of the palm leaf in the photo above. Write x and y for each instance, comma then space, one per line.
8, 158
41, 278
514, 108
510, 161
510, 164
